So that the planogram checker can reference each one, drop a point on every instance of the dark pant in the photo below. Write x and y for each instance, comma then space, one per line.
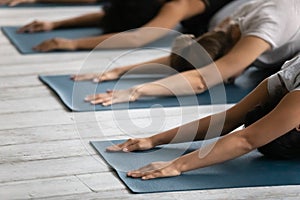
284, 147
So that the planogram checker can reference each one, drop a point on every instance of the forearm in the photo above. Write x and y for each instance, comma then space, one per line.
66, 1
156, 66
186, 83
268, 128
206, 128
92, 19
227, 148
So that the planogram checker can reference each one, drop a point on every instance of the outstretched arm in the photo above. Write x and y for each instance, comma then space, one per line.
16, 2
217, 124
156, 66
268, 128
91, 19
194, 81
169, 16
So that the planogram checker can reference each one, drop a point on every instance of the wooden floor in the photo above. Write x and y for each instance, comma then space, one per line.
44, 150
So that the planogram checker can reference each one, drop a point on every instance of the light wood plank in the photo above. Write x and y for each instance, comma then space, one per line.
42, 188
30, 105
11, 172
34, 119
99, 182
19, 81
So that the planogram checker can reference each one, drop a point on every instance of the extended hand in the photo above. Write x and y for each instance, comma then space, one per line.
112, 97
37, 26
132, 145
155, 170
55, 44
105, 76
15, 2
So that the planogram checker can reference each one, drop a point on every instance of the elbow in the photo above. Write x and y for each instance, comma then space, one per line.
244, 144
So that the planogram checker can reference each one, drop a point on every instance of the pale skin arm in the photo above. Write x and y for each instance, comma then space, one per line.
159, 65
169, 16
194, 81
16, 2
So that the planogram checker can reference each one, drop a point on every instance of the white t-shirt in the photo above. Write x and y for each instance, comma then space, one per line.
286, 79
275, 21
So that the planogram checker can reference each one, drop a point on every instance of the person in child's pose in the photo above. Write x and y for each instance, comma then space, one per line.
264, 32
119, 15
275, 131
17, 2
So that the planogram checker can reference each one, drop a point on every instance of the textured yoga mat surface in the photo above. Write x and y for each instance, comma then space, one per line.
73, 93
250, 170
24, 42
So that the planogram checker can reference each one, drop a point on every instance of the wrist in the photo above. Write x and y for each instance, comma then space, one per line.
155, 140
137, 91
56, 25
74, 44
179, 165
119, 71
134, 93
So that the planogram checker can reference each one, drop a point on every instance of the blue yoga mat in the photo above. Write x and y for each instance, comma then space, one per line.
250, 170
73, 93
24, 42
42, 5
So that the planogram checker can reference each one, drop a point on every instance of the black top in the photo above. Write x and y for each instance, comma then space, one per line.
198, 24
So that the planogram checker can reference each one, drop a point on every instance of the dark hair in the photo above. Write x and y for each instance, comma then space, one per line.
123, 15
215, 43
285, 147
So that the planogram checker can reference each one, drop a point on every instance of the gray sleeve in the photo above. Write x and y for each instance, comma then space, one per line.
290, 74
288, 79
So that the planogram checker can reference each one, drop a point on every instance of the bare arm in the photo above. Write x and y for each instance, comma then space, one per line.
16, 2
156, 66
242, 55
217, 124
268, 128
169, 16
91, 19
194, 81
67, 1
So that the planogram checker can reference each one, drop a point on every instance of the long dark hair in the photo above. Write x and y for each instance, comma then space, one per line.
123, 15
215, 43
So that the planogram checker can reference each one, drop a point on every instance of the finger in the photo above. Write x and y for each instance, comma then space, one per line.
36, 28
114, 148
108, 102
24, 28
100, 78
45, 46
152, 175
92, 97
95, 97
122, 146
97, 101
14, 3
139, 172
42, 48
83, 77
